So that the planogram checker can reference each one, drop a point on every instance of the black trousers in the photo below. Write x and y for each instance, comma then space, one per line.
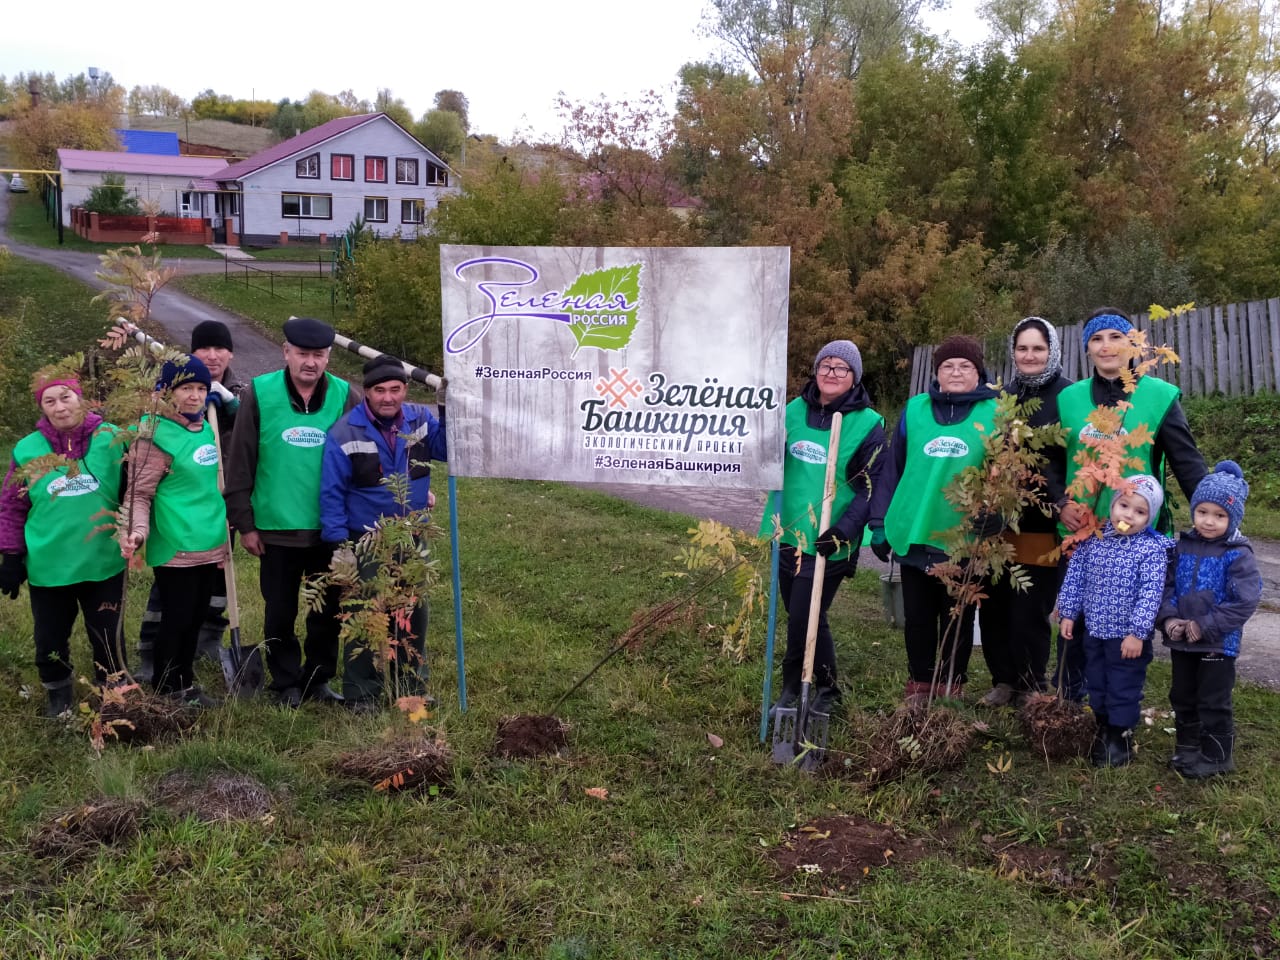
184, 600
280, 576
1015, 629
928, 630
54, 609
796, 587
215, 619
1200, 693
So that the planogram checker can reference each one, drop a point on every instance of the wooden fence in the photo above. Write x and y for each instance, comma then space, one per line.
1233, 350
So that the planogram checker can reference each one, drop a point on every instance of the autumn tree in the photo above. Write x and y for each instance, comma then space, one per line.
441, 132
456, 102
39, 132
157, 101
393, 107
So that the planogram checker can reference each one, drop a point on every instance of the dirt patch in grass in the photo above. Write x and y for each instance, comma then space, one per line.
76, 833
400, 765
1056, 729
139, 718
1248, 910
1047, 866
844, 848
530, 735
917, 738
220, 796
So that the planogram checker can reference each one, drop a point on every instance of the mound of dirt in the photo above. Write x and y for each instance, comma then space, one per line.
1047, 866
221, 796
530, 735
76, 833
917, 737
843, 848
400, 764
140, 718
1056, 728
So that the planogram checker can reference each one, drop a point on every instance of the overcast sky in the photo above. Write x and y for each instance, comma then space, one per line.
510, 58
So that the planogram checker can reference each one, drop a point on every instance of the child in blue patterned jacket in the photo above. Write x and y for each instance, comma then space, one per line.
1117, 581
1213, 588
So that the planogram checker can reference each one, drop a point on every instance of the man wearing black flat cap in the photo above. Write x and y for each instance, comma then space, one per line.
382, 437
273, 486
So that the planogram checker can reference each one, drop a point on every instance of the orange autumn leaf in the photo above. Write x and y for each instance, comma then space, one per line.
600, 793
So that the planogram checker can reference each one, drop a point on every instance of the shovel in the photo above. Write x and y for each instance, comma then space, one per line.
243, 674
800, 732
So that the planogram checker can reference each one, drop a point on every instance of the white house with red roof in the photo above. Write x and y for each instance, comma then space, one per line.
319, 182
164, 179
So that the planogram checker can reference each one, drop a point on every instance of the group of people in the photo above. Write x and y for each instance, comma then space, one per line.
1109, 596
296, 468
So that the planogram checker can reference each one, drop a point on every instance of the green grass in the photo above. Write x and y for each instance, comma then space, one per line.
295, 252
514, 859
28, 224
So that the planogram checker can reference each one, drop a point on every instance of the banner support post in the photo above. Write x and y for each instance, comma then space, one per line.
457, 592
775, 553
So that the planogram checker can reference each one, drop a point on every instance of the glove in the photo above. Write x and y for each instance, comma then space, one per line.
829, 541
1194, 633
1175, 629
880, 546
13, 571
987, 524
220, 395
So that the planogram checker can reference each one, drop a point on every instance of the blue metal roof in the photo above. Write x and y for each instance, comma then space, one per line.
156, 142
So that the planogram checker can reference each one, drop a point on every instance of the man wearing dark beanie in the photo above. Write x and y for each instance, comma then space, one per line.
273, 497
382, 437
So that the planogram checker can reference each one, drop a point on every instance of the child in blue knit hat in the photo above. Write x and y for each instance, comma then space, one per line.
1117, 581
1213, 588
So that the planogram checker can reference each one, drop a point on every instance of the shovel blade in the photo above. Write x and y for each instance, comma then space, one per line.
245, 679
814, 740
785, 720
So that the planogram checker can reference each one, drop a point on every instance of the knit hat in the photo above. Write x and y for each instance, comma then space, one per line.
308, 334
845, 350
210, 333
958, 347
1227, 488
1147, 487
1107, 320
383, 368
1053, 367
71, 383
176, 374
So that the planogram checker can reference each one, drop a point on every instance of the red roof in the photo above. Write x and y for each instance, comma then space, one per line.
116, 161
303, 141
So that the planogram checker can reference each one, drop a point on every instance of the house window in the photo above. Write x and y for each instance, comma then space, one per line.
412, 211
309, 167
406, 170
342, 166
231, 204
437, 176
311, 206
375, 169
375, 209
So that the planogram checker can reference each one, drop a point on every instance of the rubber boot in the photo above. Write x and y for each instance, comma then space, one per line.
60, 699
1098, 749
146, 670
209, 644
1186, 750
1215, 757
1119, 746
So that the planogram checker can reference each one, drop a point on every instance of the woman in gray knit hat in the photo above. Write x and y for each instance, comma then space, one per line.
836, 387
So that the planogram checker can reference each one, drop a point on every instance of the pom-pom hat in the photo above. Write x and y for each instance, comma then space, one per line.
1226, 487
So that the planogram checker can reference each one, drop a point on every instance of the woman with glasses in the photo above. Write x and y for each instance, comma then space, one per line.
940, 434
836, 387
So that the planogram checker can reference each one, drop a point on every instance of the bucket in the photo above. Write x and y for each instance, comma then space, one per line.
891, 595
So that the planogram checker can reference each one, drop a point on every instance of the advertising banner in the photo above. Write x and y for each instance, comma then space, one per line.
653, 365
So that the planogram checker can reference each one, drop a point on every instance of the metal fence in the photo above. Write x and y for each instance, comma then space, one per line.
1233, 350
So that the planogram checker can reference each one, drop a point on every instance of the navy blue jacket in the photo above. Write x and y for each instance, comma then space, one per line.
1215, 583
356, 458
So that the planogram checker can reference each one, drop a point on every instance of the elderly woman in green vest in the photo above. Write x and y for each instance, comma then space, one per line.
1155, 406
175, 508
836, 387
939, 435
50, 515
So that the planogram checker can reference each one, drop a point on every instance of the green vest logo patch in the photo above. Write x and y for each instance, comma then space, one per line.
206, 455
808, 451
303, 437
1090, 431
946, 447
73, 486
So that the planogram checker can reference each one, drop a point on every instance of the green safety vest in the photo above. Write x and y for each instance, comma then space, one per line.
936, 453
64, 544
286, 489
804, 473
188, 512
1152, 401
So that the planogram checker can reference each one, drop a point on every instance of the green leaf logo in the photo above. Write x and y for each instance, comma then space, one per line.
602, 307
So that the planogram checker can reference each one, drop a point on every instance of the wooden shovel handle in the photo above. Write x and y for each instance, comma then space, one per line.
820, 562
